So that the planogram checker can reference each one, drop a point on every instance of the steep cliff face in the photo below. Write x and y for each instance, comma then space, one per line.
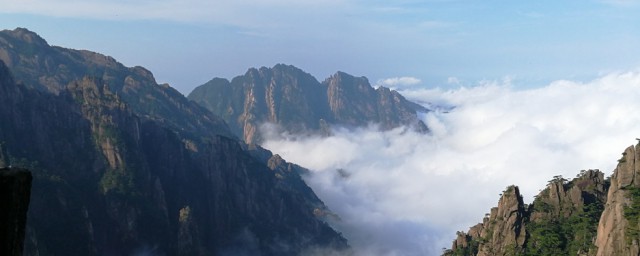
564, 216
502, 232
561, 221
353, 102
505, 229
36, 64
619, 229
298, 103
15, 189
126, 166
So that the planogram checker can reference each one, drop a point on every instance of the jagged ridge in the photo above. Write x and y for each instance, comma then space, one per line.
298, 103
122, 165
588, 215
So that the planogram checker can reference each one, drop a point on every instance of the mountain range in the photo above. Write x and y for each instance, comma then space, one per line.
297, 103
124, 166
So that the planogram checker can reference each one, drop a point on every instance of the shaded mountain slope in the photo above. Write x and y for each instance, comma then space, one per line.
46, 68
15, 188
298, 103
124, 166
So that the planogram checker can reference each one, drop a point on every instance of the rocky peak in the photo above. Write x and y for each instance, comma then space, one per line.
51, 69
618, 229
504, 229
143, 73
285, 69
560, 221
501, 232
298, 103
351, 98
561, 199
342, 85
564, 215
348, 82
27, 36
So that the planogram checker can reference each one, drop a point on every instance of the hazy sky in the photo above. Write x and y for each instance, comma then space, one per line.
440, 42
540, 88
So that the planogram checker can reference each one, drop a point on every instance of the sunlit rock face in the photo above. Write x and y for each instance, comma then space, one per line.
562, 220
298, 103
618, 230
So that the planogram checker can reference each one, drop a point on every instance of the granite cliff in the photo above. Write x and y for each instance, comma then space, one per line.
589, 215
298, 103
619, 228
124, 166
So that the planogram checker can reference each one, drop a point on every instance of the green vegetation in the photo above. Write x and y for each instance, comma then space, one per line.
557, 223
547, 236
119, 182
632, 213
562, 235
514, 250
557, 179
623, 158
471, 249
541, 206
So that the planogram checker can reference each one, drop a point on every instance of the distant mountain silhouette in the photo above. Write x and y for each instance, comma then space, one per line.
298, 103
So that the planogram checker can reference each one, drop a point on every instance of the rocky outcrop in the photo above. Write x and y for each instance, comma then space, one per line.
618, 229
561, 221
35, 64
353, 102
298, 103
564, 216
505, 227
15, 189
502, 232
125, 166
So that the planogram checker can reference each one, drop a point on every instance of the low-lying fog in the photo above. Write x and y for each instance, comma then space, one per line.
399, 192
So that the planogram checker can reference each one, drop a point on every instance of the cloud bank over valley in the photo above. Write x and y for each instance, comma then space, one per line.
400, 192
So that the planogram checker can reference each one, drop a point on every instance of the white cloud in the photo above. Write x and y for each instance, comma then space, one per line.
407, 193
399, 82
453, 80
243, 13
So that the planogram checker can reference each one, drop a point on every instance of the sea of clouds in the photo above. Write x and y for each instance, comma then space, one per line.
400, 192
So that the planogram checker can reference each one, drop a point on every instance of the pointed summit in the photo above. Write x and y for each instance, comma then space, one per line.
562, 220
294, 100
27, 36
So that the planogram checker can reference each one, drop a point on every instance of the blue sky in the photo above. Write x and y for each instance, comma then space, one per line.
498, 62
443, 43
